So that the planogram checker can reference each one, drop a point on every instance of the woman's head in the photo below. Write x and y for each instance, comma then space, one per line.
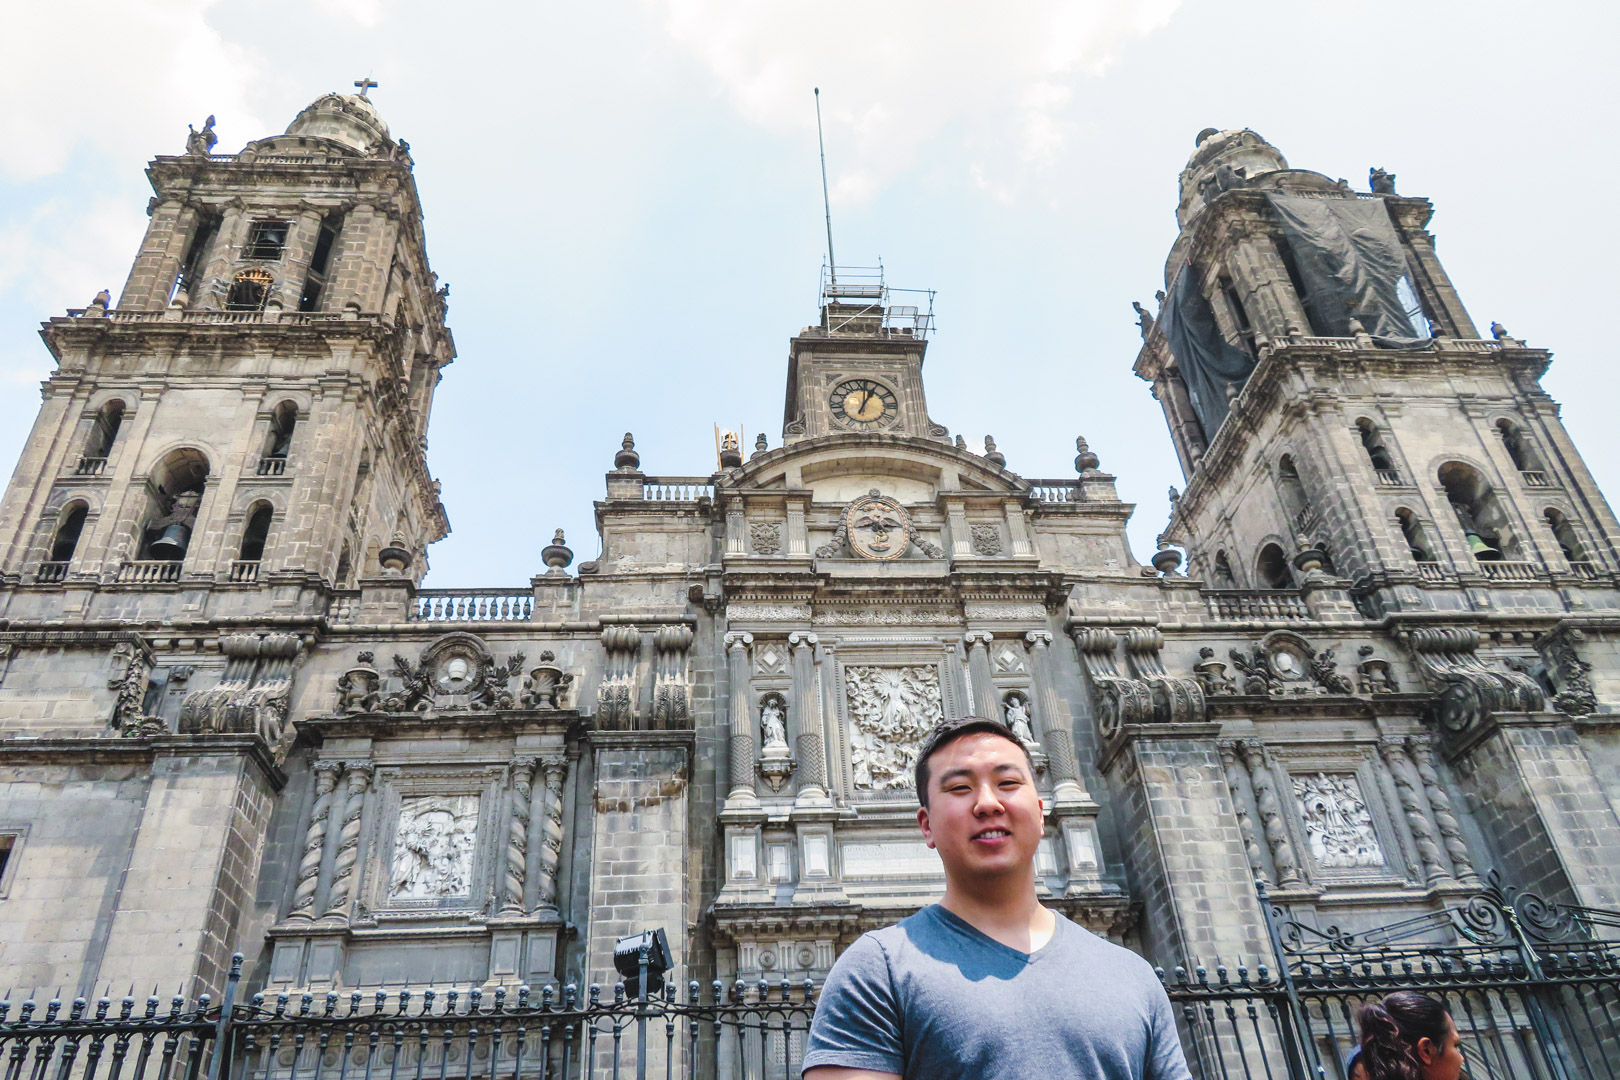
1409, 1036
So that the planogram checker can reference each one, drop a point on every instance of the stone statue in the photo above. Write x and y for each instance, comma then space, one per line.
1159, 295
773, 725
1018, 719
1380, 182
1143, 319
201, 143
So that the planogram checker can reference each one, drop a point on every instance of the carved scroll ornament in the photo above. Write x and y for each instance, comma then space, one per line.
1466, 689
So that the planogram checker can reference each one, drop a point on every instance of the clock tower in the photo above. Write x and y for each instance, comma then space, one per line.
860, 370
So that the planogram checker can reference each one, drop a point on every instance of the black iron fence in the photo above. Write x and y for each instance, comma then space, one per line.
1534, 989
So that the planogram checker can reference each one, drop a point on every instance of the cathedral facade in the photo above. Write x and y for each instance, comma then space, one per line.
1374, 661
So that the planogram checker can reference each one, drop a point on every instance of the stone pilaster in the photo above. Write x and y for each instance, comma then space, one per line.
1269, 803
985, 702
549, 825
517, 836
1440, 807
1434, 868
309, 864
806, 715
340, 895
1237, 782
1054, 727
742, 792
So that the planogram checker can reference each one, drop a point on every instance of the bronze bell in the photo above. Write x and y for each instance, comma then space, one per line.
1482, 549
171, 543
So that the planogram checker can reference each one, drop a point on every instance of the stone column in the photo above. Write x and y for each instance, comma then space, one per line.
348, 850
309, 865
956, 700
1018, 531
736, 530
797, 538
1053, 720
806, 716
1271, 811
1237, 780
517, 835
550, 828
985, 702
1440, 806
302, 237
742, 723
1434, 869
961, 535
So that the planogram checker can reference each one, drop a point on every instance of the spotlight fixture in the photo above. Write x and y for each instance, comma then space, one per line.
627, 954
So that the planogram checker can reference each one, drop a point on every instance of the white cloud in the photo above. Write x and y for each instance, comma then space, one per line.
898, 75
120, 77
364, 13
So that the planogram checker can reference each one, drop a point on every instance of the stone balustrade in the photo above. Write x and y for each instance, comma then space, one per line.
1256, 604
471, 605
149, 571
677, 488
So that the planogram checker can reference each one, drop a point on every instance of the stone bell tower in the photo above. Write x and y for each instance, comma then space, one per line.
246, 427
1339, 418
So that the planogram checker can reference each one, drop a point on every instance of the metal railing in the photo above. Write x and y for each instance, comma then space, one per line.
50, 572
471, 605
1256, 604
677, 488
756, 1031
149, 571
1533, 986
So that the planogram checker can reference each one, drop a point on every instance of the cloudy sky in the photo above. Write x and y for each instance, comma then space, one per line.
624, 198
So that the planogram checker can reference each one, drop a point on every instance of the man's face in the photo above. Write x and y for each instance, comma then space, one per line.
983, 815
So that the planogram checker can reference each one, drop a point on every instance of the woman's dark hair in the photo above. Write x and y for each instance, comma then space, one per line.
1391, 1029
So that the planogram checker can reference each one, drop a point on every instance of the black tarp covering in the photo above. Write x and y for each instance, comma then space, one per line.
1206, 359
1351, 264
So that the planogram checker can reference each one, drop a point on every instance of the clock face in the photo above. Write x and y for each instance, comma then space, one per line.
862, 404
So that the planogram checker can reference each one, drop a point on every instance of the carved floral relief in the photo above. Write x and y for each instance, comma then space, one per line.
891, 709
433, 848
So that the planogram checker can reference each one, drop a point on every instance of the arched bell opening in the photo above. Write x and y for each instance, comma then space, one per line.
1479, 512
174, 494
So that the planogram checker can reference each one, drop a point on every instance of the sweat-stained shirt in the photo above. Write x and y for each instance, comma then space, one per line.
931, 997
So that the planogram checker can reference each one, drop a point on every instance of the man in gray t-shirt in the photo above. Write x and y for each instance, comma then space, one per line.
988, 984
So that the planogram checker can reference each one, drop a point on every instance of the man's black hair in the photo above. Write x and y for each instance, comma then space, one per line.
948, 732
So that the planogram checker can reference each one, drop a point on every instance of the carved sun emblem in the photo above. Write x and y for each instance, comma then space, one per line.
878, 527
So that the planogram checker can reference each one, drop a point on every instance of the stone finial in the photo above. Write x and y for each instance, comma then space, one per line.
1380, 182
992, 455
627, 458
1499, 332
961, 443
1175, 496
1165, 560
396, 557
1085, 460
760, 444
103, 300
556, 555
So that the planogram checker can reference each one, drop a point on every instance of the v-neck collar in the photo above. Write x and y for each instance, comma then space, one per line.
957, 922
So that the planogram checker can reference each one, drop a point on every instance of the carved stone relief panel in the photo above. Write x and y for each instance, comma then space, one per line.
766, 537
770, 658
433, 848
986, 539
1338, 822
891, 709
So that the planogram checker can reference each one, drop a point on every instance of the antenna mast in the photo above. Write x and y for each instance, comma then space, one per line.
826, 202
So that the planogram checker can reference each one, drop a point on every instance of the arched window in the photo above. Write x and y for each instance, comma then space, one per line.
69, 524
175, 492
249, 290
1271, 568
1523, 453
256, 533
1377, 453
1292, 491
1417, 541
278, 442
100, 443
1480, 514
1567, 540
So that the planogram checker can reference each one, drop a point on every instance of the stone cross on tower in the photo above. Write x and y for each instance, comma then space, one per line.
365, 84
